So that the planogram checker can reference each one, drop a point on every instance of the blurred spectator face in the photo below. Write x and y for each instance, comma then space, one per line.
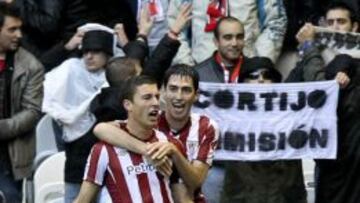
339, 20
10, 34
95, 60
179, 96
259, 76
230, 41
144, 107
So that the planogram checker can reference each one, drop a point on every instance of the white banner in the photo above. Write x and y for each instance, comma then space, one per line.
272, 121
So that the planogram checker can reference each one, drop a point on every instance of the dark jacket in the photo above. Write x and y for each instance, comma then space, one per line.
338, 180
26, 98
48, 25
210, 71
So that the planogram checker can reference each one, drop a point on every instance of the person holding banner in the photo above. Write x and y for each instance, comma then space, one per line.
340, 20
198, 134
224, 66
278, 181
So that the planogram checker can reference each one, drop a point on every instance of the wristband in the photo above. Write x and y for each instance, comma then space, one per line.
173, 32
141, 36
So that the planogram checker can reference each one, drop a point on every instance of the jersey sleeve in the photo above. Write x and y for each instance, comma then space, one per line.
208, 142
97, 164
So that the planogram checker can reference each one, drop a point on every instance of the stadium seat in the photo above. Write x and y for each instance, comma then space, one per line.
49, 179
45, 140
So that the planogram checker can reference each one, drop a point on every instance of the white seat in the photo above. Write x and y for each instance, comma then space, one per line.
45, 140
49, 179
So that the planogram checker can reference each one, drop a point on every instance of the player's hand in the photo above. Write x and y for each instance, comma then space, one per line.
158, 150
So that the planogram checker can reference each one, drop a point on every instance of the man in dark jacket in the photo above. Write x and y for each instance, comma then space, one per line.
224, 66
21, 84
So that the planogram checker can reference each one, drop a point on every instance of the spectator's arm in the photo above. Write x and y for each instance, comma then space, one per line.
273, 21
166, 50
184, 53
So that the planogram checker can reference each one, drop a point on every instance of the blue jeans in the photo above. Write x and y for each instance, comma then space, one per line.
71, 192
10, 189
213, 185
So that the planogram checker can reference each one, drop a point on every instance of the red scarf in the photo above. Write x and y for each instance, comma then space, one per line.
233, 78
153, 10
216, 10
2, 65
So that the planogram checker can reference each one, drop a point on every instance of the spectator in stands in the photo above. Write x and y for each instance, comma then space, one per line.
338, 179
264, 22
69, 90
181, 86
21, 84
224, 66
263, 181
48, 25
339, 17
128, 176
335, 180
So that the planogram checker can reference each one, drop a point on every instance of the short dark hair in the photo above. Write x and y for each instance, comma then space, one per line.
343, 6
224, 19
183, 71
8, 9
119, 69
130, 85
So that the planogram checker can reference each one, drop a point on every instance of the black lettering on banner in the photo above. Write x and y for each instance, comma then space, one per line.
300, 103
298, 138
283, 101
352, 41
250, 143
316, 139
339, 40
267, 142
246, 99
231, 141
203, 104
269, 96
224, 99
317, 98
282, 141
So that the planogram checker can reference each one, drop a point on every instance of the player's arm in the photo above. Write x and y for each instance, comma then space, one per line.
88, 192
112, 134
192, 173
181, 194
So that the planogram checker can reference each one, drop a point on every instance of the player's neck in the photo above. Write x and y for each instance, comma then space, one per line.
138, 130
176, 124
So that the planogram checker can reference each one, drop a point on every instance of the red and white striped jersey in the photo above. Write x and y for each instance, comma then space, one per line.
199, 136
127, 176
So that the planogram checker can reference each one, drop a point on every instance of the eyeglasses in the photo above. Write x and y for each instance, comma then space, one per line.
266, 75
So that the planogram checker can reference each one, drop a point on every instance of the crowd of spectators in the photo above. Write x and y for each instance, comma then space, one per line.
74, 60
